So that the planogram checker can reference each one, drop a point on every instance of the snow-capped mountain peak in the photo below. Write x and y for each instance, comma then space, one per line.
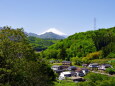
53, 30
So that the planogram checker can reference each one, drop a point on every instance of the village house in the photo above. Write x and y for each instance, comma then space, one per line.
84, 65
93, 66
65, 74
85, 70
104, 66
79, 72
56, 67
70, 68
66, 63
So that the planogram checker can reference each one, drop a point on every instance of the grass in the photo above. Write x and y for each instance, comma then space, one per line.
65, 83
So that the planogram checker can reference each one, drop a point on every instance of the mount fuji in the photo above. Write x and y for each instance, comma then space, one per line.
54, 30
51, 33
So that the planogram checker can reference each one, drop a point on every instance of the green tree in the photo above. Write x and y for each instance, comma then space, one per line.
19, 65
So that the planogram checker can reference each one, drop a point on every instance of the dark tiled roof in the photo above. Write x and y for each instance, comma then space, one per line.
55, 66
66, 61
106, 65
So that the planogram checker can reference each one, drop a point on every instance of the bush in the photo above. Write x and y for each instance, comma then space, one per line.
110, 71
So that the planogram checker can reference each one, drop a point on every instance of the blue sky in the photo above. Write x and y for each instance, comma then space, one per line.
68, 16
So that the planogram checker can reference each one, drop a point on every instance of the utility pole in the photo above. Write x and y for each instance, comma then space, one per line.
94, 23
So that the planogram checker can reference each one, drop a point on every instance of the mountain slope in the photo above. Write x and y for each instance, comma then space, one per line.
32, 34
50, 35
83, 43
47, 35
39, 44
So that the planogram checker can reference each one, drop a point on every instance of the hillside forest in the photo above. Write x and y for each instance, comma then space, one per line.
39, 44
84, 46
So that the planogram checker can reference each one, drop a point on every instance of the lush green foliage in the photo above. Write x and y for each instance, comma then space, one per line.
19, 65
65, 83
41, 44
110, 70
91, 44
76, 61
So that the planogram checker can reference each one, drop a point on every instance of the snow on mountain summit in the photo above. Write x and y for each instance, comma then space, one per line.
53, 30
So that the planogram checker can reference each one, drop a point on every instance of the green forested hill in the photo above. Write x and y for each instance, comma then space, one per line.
98, 44
41, 44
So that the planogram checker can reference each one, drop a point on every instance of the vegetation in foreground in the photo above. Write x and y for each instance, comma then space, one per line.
19, 65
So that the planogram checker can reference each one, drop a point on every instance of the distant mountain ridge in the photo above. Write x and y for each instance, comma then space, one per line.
47, 35
51, 35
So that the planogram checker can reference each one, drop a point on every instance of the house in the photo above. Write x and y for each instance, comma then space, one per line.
72, 68
56, 67
63, 75
85, 70
84, 65
104, 66
79, 72
93, 65
58, 71
67, 63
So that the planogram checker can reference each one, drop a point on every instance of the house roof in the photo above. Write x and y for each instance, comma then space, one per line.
84, 68
67, 72
84, 64
72, 67
59, 71
94, 64
106, 65
55, 66
66, 61
78, 70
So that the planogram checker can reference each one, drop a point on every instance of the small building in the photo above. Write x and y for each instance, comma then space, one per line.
63, 75
85, 70
79, 72
67, 63
84, 65
56, 67
93, 65
104, 66
58, 71
70, 68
